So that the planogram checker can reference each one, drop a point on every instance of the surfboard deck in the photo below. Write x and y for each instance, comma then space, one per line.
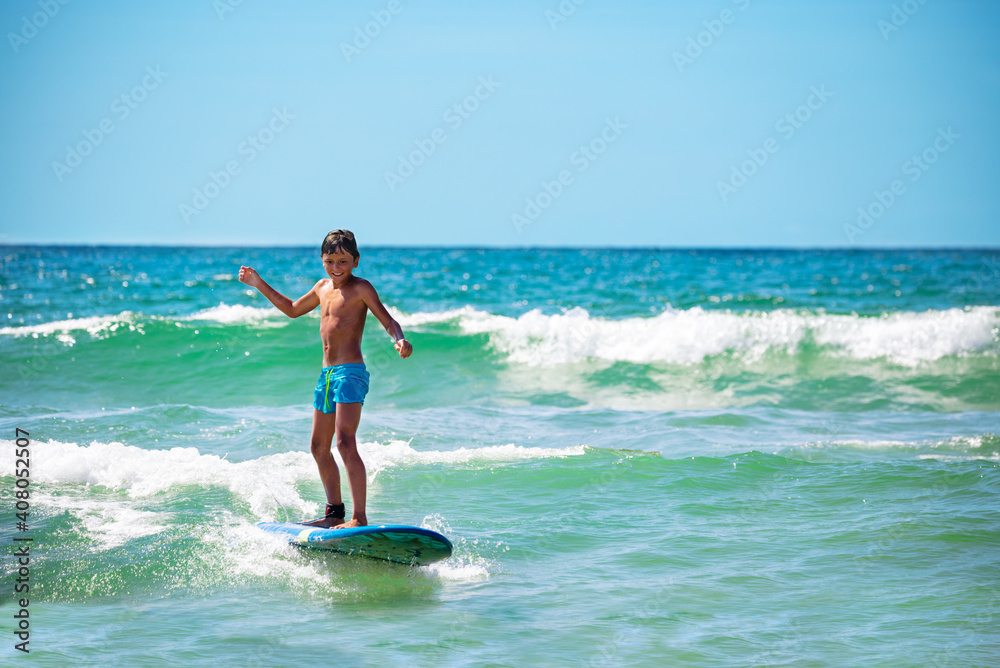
397, 543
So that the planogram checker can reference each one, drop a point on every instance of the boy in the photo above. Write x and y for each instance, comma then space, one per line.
344, 300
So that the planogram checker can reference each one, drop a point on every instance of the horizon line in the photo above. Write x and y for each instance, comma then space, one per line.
498, 247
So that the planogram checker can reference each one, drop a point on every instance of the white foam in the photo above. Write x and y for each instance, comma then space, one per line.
875, 444
955, 448
432, 317
226, 314
961, 458
689, 336
267, 484
967, 441
400, 453
679, 336
100, 326
103, 326
264, 483
241, 549
112, 523
911, 338
465, 564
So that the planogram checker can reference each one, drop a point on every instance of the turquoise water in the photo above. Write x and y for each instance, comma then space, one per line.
643, 457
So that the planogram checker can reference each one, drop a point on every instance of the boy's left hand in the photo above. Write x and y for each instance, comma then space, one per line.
404, 348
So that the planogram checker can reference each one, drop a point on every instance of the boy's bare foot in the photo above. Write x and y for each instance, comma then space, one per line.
352, 523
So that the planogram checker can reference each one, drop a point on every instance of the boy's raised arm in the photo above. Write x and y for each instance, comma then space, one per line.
300, 306
374, 305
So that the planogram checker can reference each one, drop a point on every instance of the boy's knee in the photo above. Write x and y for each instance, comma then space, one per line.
346, 441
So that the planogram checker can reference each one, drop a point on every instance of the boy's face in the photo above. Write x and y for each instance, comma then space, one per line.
339, 265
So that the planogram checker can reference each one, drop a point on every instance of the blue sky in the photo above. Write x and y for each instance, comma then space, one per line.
721, 123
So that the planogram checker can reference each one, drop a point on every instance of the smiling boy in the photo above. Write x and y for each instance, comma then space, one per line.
344, 300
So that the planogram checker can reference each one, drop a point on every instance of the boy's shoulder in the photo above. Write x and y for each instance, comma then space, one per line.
361, 284
363, 288
357, 285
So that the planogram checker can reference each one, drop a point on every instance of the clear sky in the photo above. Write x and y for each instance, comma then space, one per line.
717, 123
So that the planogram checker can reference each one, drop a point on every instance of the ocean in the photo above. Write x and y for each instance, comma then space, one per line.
644, 457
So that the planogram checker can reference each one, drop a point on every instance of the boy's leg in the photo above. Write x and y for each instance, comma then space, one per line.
324, 426
348, 418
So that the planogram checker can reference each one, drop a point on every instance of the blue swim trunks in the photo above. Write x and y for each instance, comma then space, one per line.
341, 384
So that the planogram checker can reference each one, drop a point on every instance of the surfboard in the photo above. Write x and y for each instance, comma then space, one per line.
397, 543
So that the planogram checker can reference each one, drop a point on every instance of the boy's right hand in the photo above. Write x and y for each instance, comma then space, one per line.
404, 348
249, 276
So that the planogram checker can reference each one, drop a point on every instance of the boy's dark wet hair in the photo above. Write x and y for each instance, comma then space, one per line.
340, 240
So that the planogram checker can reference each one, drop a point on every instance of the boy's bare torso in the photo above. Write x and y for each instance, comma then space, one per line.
342, 320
